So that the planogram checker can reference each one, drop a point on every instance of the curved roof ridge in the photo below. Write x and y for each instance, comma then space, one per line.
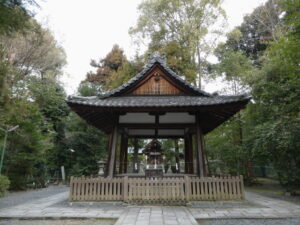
155, 57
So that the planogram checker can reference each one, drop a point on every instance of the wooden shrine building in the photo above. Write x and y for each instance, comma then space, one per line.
157, 103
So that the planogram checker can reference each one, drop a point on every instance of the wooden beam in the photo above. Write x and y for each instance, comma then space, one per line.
199, 141
153, 136
157, 113
112, 152
156, 125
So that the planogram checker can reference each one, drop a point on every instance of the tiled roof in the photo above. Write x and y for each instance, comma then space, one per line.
153, 59
156, 101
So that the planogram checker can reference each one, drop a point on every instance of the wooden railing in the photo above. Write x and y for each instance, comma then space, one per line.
96, 189
156, 190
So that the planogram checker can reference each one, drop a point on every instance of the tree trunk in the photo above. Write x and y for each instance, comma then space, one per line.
199, 66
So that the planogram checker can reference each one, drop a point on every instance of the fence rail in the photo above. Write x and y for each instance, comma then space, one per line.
164, 189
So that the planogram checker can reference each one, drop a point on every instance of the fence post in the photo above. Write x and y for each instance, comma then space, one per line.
242, 187
187, 188
71, 189
125, 188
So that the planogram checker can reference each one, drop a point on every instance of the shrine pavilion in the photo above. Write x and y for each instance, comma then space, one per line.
156, 104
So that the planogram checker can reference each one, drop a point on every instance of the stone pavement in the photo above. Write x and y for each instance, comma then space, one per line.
156, 215
50, 208
265, 208
46, 208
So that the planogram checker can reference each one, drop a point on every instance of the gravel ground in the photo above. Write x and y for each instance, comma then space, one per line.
288, 221
57, 222
16, 198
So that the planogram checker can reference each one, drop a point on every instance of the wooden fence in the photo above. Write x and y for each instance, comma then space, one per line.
164, 189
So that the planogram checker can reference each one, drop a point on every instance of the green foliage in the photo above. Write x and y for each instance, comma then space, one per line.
235, 67
14, 15
50, 98
112, 71
30, 62
4, 185
46, 56
84, 145
89, 89
292, 8
270, 126
178, 59
27, 145
89, 145
4, 70
277, 142
277, 88
224, 153
126, 71
256, 32
184, 22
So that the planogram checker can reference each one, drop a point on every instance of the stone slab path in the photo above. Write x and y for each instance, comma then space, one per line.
50, 207
46, 208
156, 215
265, 208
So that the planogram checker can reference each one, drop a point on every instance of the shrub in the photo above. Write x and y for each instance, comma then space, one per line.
4, 184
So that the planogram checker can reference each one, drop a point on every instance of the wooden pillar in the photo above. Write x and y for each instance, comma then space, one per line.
186, 155
112, 152
177, 154
126, 156
191, 154
109, 154
123, 153
200, 150
135, 155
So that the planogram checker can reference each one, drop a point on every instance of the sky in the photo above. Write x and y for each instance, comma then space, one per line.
88, 30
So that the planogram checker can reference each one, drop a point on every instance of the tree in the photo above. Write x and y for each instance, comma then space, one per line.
50, 98
271, 124
258, 29
30, 63
277, 88
14, 15
112, 62
178, 59
88, 143
235, 67
186, 22
34, 52
26, 147
113, 70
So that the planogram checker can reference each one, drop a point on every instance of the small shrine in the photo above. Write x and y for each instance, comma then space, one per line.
154, 159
